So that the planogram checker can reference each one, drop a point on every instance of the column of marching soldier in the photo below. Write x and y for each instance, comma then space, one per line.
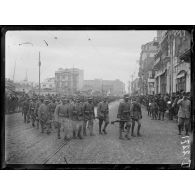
75, 117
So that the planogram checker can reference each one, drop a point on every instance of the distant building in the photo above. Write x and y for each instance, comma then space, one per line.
106, 87
68, 81
135, 87
48, 83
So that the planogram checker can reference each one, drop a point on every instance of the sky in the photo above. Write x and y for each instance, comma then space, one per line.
101, 54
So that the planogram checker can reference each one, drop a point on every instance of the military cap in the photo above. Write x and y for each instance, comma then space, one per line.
63, 98
89, 98
126, 96
46, 100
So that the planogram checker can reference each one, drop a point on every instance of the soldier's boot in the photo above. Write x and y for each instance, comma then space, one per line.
138, 130
100, 127
33, 123
80, 134
37, 124
127, 137
84, 129
121, 134
48, 129
127, 133
159, 116
74, 134
179, 128
104, 129
92, 134
132, 129
163, 116
187, 134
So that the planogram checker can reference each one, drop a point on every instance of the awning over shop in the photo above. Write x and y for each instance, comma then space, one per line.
181, 74
185, 56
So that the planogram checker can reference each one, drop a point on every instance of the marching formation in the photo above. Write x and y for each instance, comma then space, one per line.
74, 116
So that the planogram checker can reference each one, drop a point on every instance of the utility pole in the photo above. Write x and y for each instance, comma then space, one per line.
14, 71
131, 84
39, 73
102, 87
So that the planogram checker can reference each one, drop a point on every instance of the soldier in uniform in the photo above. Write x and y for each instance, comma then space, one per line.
76, 112
124, 116
103, 115
61, 116
52, 107
25, 109
44, 118
89, 116
32, 111
38, 104
136, 115
184, 114
162, 108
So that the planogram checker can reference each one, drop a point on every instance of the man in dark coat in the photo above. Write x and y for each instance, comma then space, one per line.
161, 108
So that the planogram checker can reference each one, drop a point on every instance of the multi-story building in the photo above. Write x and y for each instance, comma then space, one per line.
146, 62
106, 87
135, 87
172, 62
181, 60
68, 81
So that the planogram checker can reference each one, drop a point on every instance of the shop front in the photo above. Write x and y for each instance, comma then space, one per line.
181, 81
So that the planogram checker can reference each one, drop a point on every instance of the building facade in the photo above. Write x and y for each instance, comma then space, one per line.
48, 83
135, 87
146, 62
68, 81
172, 62
105, 87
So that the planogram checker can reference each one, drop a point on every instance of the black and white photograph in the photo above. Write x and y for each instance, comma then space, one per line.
92, 96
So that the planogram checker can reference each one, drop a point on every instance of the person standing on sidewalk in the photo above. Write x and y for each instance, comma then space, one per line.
103, 114
184, 114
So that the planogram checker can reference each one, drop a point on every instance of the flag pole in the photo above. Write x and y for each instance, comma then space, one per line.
39, 73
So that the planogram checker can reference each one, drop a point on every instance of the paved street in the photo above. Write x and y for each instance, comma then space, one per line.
160, 144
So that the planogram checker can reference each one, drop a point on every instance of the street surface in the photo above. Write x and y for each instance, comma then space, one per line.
159, 144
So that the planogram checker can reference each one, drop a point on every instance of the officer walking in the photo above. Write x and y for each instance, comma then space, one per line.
76, 113
136, 115
25, 109
38, 104
32, 111
89, 116
43, 113
103, 115
124, 116
52, 107
61, 117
